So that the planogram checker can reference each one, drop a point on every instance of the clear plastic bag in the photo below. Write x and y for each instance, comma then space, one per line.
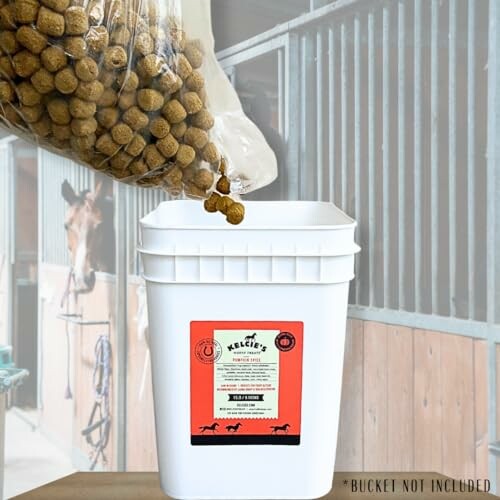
132, 89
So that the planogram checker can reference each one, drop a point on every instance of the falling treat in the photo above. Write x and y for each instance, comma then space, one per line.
75, 47
235, 213
53, 58
223, 204
49, 22
58, 110
211, 203
25, 63
224, 185
149, 99
31, 39
86, 69
81, 109
66, 81
43, 81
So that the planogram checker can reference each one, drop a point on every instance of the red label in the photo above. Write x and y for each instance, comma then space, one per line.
246, 382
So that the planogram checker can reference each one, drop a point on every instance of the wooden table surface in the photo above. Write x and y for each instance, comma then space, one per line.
138, 485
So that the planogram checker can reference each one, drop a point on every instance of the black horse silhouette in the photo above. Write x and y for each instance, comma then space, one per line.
277, 428
251, 337
233, 428
212, 428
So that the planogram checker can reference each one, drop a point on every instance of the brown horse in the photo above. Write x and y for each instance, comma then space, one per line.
90, 234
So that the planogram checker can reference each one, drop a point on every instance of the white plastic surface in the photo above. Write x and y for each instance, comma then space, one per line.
315, 231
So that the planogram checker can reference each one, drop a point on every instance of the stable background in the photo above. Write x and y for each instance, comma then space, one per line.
391, 110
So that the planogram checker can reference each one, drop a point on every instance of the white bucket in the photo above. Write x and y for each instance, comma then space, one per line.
247, 326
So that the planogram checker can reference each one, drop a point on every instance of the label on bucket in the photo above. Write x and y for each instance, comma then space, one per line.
246, 382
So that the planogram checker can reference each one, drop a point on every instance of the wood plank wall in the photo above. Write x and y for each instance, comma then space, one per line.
413, 400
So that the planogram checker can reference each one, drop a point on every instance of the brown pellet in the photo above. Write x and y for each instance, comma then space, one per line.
149, 99
211, 153
108, 98
127, 100
31, 39
58, 110
127, 81
196, 137
106, 145
178, 130
195, 81
192, 103
136, 146
49, 22
26, 11
53, 58
25, 63
97, 38
90, 91
203, 119
120, 36
135, 118
81, 127
138, 167
159, 127
153, 157
75, 47
57, 5
115, 57
83, 143
144, 44
122, 133
7, 93
168, 146
42, 127
61, 132
9, 43
7, 68
86, 69
185, 155
174, 112
169, 82
66, 81
7, 17
121, 160
81, 109
27, 94
43, 81
108, 117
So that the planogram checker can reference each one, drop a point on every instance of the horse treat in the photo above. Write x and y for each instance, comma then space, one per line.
119, 86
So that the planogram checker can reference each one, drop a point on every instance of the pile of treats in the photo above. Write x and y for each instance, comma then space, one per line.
115, 87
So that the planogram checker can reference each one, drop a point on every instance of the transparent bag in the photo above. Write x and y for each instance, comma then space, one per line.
132, 89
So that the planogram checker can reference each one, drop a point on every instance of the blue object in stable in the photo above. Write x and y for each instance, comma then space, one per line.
6, 360
11, 377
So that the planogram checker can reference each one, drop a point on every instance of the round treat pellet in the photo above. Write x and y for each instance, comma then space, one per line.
58, 110
42, 127
12, 115
75, 47
83, 143
43, 81
61, 132
9, 43
144, 44
195, 82
173, 178
120, 36
121, 160
57, 5
106, 145
107, 78
76, 21
174, 111
66, 81
82, 127
108, 117
185, 155
159, 127
7, 93
196, 137
203, 119
49, 22
138, 167
223, 204
127, 81
115, 57
7, 17
99, 161
90, 91
108, 98
25, 63
136, 146
135, 118
27, 94
127, 100
26, 11
178, 130
81, 109
153, 157
182, 66
235, 213
210, 153
122, 133
151, 66
211, 203
95, 11
53, 58
169, 82
6, 68
168, 146
194, 56
149, 99
223, 185
86, 69
97, 38
192, 103
31, 39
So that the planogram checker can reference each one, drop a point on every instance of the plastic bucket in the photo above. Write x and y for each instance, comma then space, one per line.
247, 329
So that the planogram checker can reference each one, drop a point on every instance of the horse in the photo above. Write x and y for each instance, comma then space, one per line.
90, 234
212, 428
251, 337
277, 428
233, 428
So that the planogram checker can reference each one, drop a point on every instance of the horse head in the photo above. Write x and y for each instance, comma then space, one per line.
90, 234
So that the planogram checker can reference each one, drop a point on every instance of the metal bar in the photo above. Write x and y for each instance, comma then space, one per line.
471, 155
434, 219
332, 79
281, 92
402, 154
455, 326
343, 105
304, 115
452, 153
386, 19
371, 155
319, 116
357, 136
